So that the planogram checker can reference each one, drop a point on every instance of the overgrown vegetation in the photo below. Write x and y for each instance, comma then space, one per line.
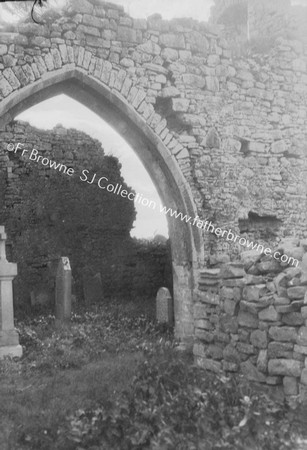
114, 380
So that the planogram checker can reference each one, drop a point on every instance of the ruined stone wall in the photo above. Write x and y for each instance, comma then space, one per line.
236, 126
105, 247
251, 316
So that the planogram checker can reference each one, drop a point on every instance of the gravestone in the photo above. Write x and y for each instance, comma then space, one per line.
9, 339
63, 292
164, 306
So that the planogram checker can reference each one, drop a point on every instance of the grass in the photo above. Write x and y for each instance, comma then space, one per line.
114, 380
72, 368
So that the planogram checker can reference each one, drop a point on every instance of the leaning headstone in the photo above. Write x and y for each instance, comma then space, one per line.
63, 292
164, 306
92, 288
9, 339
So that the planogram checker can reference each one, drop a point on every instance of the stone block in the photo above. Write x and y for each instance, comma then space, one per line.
211, 298
212, 84
248, 320
294, 306
301, 349
251, 372
246, 349
304, 312
209, 273
212, 139
200, 311
280, 350
281, 280
172, 40
231, 354
293, 318
228, 323
278, 146
209, 364
230, 366
304, 377
269, 314
3, 49
11, 350
199, 349
226, 293
273, 381
252, 308
281, 300
170, 91
302, 393
262, 361
302, 336
150, 47
180, 104
233, 282
203, 324
232, 270
259, 339
249, 258
254, 279
229, 307
286, 367
283, 334
253, 293
193, 80
268, 266
290, 385
214, 351
296, 292
204, 335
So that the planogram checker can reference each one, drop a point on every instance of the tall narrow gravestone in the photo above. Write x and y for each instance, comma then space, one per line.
63, 292
9, 340
164, 306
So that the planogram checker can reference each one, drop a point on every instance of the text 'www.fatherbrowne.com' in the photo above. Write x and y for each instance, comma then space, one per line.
230, 236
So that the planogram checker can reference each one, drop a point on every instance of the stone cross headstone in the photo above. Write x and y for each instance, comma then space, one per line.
9, 339
63, 292
164, 306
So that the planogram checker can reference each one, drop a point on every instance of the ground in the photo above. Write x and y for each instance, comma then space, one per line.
115, 380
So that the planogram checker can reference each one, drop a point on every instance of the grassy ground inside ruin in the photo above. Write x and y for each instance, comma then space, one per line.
114, 380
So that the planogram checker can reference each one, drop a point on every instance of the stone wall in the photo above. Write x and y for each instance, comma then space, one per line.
100, 243
251, 317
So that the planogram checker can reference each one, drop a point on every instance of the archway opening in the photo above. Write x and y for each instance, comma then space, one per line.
162, 167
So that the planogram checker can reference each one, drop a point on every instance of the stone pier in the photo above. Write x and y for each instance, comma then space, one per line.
9, 340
